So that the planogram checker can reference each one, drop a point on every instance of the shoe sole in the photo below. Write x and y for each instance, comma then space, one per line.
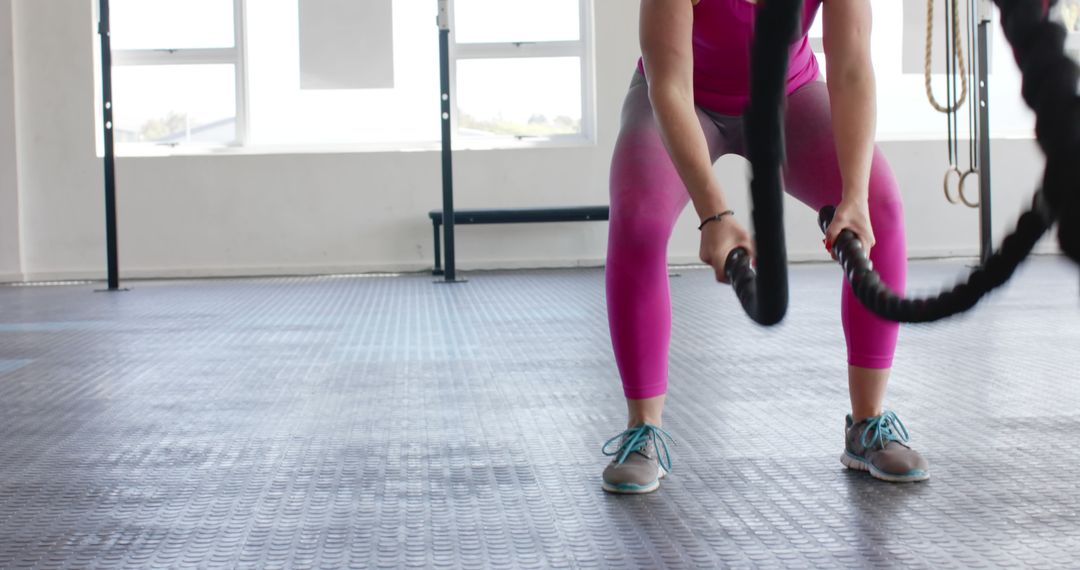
632, 489
857, 463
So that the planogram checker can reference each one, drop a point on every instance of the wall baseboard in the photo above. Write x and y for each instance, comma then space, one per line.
324, 269
1046, 248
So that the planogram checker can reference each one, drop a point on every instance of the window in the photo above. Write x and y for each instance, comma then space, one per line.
285, 112
268, 73
521, 71
178, 71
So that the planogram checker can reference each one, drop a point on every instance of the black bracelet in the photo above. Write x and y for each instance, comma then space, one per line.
717, 217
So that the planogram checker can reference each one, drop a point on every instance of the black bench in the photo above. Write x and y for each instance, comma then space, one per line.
513, 216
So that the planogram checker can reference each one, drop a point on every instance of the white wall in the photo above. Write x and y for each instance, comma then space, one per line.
300, 213
60, 186
10, 268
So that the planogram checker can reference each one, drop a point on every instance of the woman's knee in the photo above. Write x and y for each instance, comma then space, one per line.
886, 204
638, 232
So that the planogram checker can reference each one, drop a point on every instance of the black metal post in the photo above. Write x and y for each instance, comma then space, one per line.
986, 246
437, 270
110, 162
449, 268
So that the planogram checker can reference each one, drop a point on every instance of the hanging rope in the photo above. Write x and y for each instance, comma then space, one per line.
958, 55
956, 80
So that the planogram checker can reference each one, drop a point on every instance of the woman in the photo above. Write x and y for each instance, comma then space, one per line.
681, 114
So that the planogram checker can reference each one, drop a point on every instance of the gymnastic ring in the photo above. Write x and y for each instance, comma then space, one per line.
960, 189
945, 183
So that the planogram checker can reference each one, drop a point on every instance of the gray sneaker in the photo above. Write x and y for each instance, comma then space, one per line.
879, 445
639, 462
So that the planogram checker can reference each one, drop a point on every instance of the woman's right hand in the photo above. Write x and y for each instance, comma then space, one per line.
718, 239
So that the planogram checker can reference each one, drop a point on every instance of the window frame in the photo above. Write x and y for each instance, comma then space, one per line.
235, 56
582, 48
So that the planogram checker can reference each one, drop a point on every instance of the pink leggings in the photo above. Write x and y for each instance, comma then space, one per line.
647, 196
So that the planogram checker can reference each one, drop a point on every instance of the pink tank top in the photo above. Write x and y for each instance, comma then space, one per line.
723, 30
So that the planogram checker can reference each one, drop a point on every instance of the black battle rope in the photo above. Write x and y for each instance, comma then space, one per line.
999, 267
765, 300
1050, 88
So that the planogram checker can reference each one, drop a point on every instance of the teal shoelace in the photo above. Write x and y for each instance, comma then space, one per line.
637, 439
883, 429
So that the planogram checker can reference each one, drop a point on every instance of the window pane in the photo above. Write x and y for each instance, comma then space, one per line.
174, 104
478, 21
519, 97
281, 113
171, 24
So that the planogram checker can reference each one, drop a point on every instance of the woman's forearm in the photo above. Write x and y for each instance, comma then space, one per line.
852, 96
667, 52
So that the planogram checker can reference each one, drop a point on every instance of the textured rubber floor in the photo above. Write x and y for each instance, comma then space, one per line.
390, 422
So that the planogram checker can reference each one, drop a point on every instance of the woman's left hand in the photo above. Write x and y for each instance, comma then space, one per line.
851, 214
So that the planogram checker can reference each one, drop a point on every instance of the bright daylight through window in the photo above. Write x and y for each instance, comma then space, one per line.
175, 71
206, 73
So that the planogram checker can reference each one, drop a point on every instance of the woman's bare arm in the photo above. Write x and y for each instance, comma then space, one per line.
852, 89
853, 100
666, 47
